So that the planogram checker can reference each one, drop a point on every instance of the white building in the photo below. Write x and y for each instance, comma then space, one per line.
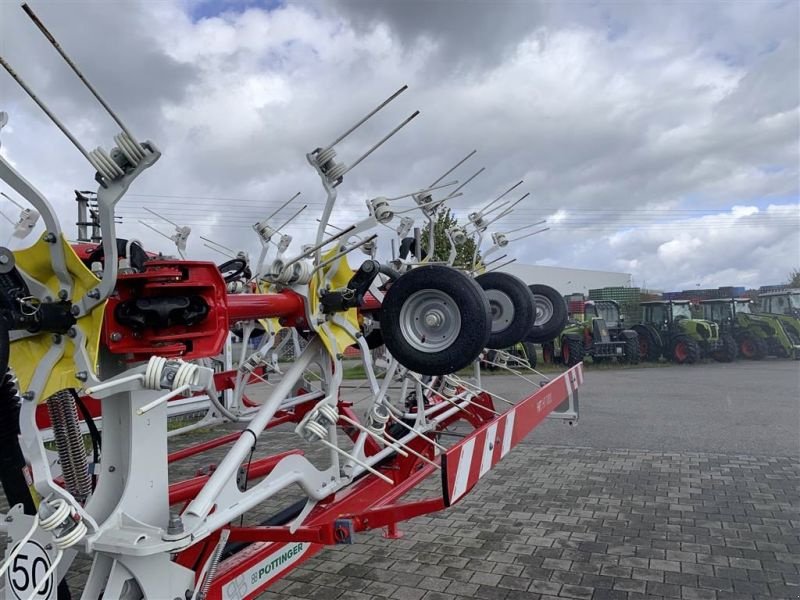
568, 281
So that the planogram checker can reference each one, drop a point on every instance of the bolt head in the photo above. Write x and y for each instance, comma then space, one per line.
81, 376
28, 396
116, 336
75, 310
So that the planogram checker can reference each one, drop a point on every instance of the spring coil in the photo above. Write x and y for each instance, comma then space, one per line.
62, 517
378, 418
104, 164
184, 373
449, 387
69, 444
130, 148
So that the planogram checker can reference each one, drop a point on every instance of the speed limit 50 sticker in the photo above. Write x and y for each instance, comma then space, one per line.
27, 570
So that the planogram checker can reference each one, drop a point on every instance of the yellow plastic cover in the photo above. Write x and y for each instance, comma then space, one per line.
342, 273
26, 353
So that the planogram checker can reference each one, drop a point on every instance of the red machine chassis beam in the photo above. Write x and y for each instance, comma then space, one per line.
369, 503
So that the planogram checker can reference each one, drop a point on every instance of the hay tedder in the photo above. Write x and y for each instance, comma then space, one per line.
118, 335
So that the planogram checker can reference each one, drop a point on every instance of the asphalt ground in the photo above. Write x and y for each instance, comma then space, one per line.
677, 482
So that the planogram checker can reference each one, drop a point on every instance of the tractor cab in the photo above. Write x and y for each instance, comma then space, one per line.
784, 306
607, 310
783, 302
668, 329
662, 314
724, 310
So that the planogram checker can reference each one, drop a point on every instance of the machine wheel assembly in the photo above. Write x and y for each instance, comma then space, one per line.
551, 314
632, 350
684, 350
571, 351
752, 348
649, 348
728, 352
435, 320
512, 308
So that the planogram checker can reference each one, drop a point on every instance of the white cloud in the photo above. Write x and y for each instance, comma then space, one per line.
652, 137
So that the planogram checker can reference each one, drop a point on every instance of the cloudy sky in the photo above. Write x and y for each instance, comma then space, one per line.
659, 139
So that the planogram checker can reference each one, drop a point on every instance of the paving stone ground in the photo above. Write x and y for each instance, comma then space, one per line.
559, 520
556, 522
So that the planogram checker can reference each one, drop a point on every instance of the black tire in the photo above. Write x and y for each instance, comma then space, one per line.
649, 348
752, 347
684, 350
547, 301
728, 352
463, 313
233, 269
549, 353
632, 350
512, 308
530, 354
571, 351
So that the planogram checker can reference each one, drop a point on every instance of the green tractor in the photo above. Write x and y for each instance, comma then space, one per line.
601, 336
784, 305
756, 335
668, 329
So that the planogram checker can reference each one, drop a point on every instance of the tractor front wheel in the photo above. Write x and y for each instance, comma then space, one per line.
632, 350
571, 351
649, 348
549, 353
728, 351
752, 348
684, 350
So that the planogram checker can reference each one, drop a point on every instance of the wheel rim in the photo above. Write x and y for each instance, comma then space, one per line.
430, 320
643, 347
502, 309
747, 348
544, 309
681, 352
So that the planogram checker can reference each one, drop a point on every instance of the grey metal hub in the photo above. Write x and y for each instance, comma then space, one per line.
502, 309
544, 309
430, 320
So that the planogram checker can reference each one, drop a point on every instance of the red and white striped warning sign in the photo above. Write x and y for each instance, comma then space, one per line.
465, 463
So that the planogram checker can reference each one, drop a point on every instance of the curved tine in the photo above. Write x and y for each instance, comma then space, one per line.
74, 67
423, 190
321, 245
218, 250
154, 229
14, 202
491, 262
505, 264
217, 244
162, 217
453, 168
282, 206
522, 237
381, 142
292, 218
364, 120
542, 222
46, 110
474, 175
503, 195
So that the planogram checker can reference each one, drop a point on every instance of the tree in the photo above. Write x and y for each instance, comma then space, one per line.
794, 279
441, 246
